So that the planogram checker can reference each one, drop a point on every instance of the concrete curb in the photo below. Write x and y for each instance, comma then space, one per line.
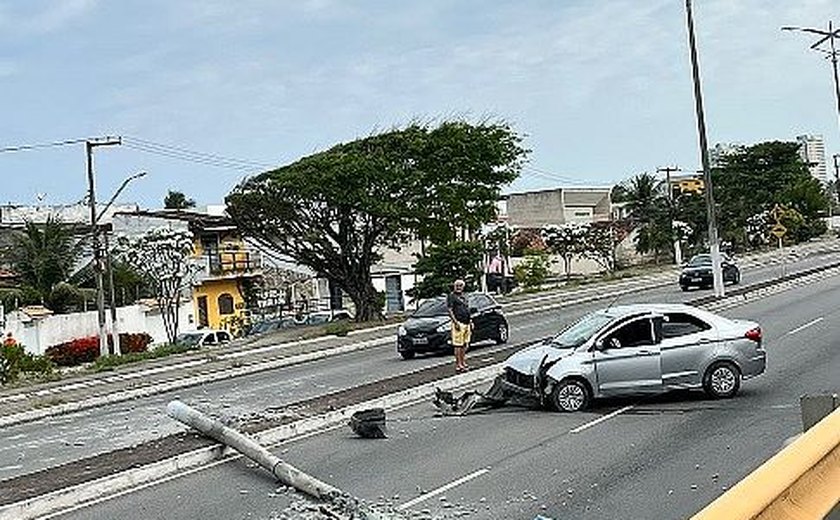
78, 496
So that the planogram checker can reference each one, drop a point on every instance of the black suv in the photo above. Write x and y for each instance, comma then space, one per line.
698, 272
428, 329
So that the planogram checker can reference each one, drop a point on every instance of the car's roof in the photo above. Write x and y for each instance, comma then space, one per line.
645, 308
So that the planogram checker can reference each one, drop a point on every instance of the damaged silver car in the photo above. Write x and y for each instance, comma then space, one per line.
637, 349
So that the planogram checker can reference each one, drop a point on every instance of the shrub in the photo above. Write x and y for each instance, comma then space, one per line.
338, 328
14, 360
74, 352
64, 298
533, 271
134, 343
110, 362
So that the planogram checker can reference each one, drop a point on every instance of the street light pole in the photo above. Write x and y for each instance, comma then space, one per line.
97, 253
830, 36
714, 243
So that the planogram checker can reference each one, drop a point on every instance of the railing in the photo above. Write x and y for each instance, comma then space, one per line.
233, 262
800, 482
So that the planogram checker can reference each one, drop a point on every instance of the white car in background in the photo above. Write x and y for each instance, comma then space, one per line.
203, 338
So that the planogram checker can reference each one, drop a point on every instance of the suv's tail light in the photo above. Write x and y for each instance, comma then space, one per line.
754, 334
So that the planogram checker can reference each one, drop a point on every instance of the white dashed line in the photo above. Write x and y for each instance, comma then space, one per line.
590, 424
803, 327
442, 489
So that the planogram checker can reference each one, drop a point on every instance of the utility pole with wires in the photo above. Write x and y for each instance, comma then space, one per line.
667, 170
831, 36
90, 144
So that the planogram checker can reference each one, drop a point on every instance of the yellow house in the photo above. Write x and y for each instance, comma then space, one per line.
228, 268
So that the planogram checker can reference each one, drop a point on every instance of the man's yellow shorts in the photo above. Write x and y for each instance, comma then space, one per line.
462, 335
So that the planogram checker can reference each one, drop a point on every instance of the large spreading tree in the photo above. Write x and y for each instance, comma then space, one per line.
755, 178
336, 210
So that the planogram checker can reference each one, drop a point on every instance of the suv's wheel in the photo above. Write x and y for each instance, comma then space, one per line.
407, 354
570, 395
737, 278
722, 380
502, 332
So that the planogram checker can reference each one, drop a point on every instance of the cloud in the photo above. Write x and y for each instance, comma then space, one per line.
46, 17
8, 69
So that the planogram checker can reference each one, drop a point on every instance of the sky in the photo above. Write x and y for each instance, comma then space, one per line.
601, 89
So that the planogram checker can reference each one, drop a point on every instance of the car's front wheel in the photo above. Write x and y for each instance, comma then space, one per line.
570, 395
407, 354
722, 380
502, 332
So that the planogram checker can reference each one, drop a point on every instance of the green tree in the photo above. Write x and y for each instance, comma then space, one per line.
335, 210
647, 200
43, 255
533, 270
756, 178
443, 264
177, 200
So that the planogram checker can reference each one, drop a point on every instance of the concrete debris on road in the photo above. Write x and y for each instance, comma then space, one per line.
369, 424
448, 404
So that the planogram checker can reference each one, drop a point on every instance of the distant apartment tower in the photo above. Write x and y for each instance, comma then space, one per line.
812, 151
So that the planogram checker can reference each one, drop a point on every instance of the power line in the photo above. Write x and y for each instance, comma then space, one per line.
54, 144
186, 152
190, 158
544, 174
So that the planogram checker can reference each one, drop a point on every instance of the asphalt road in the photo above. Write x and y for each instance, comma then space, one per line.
49, 442
663, 458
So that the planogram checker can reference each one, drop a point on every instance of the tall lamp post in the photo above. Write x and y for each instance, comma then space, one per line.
830, 36
714, 242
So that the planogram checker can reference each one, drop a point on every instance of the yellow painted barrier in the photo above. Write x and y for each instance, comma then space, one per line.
801, 482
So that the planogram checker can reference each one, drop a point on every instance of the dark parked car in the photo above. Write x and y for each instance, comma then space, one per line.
428, 329
698, 272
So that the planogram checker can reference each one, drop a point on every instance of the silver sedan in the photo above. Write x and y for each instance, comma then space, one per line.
638, 349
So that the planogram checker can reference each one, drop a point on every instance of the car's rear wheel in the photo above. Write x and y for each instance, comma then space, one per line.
570, 395
407, 354
502, 332
684, 288
722, 380
737, 278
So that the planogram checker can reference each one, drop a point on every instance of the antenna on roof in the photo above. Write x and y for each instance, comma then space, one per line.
614, 300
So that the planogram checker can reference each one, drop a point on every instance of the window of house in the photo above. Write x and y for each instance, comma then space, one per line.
680, 324
225, 304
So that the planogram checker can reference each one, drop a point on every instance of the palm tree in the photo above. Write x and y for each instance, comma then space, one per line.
43, 255
649, 210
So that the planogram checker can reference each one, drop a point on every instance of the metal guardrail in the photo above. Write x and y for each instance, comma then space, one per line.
801, 482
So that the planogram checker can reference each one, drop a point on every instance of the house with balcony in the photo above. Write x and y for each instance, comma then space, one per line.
225, 266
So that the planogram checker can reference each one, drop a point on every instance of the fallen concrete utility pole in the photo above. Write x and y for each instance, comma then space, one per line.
285, 473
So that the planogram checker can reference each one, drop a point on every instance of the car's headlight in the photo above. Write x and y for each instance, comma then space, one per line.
401, 331
444, 327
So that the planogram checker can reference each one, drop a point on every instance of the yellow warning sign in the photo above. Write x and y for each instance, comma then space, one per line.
779, 230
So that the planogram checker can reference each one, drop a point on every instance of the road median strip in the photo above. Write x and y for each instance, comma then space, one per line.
78, 482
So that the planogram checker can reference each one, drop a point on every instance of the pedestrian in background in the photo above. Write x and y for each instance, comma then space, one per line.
459, 314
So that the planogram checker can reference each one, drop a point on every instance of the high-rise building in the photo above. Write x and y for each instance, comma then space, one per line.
812, 151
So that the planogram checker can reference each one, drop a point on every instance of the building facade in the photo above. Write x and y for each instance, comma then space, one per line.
812, 152
556, 206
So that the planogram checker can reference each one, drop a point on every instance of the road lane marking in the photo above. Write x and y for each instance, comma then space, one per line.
803, 327
10, 468
590, 424
442, 489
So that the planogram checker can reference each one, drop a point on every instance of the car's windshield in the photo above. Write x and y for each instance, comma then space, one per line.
431, 308
189, 340
581, 331
700, 260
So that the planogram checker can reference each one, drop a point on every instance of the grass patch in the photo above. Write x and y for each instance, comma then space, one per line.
108, 363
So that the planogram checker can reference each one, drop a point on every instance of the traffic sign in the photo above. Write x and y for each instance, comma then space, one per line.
779, 230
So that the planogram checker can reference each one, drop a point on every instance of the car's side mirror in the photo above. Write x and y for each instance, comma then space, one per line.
599, 345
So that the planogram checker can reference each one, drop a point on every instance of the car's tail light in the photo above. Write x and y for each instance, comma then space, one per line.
754, 334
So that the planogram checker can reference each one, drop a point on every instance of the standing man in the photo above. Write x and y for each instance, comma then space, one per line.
459, 313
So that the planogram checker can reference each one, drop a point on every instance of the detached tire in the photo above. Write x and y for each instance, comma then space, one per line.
407, 354
570, 395
502, 333
722, 380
